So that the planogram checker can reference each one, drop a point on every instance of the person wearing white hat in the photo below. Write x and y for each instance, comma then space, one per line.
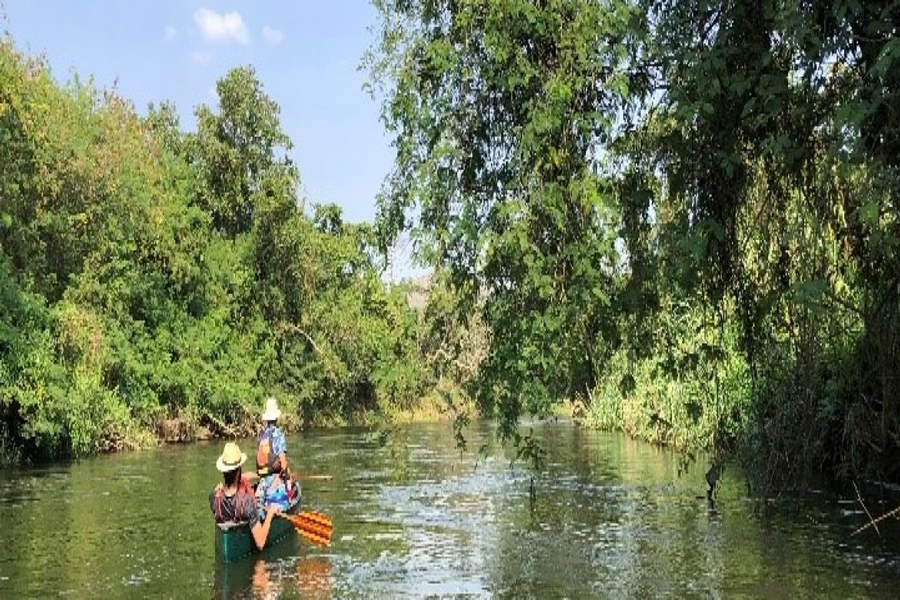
234, 501
271, 459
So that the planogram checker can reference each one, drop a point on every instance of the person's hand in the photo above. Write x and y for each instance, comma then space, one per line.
273, 510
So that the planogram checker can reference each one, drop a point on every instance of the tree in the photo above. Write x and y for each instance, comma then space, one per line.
236, 150
668, 198
155, 283
499, 111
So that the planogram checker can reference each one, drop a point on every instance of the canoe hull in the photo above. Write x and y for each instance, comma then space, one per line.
234, 541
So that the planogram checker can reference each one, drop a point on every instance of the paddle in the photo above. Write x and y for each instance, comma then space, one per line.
314, 526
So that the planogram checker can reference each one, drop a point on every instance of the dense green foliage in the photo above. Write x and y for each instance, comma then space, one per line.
683, 213
159, 282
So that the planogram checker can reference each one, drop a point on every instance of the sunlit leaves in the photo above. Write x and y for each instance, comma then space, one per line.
593, 166
148, 276
497, 110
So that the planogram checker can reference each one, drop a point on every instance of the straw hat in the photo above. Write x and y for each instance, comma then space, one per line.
231, 458
271, 413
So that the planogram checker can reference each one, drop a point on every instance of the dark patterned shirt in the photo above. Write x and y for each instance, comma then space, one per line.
241, 505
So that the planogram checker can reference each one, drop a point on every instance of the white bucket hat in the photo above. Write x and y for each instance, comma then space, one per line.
271, 413
231, 458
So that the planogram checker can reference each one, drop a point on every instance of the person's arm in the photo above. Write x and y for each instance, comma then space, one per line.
261, 531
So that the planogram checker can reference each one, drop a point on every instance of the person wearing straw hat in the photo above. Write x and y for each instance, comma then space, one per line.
271, 460
233, 500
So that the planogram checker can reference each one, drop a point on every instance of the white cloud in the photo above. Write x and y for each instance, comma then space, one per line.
199, 57
228, 27
171, 34
273, 36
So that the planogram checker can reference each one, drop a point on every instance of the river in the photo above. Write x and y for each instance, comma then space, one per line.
608, 517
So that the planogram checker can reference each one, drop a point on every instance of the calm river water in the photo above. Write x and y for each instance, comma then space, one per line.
610, 517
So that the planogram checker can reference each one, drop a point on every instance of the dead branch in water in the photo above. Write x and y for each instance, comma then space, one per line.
872, 522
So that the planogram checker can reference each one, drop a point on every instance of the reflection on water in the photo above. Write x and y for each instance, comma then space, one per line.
610, 518
264, 577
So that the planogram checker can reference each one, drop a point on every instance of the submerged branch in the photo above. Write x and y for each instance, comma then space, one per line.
872, 522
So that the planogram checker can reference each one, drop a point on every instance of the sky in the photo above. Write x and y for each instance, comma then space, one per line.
306, 53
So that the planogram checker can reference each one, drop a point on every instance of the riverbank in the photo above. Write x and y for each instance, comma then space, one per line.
183, 429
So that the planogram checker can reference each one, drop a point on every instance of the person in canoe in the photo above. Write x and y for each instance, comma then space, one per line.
233, 500
271, 461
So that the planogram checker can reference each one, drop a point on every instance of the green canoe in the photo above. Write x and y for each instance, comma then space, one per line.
234, 540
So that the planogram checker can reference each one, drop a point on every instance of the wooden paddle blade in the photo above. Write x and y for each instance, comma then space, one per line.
314, 538
317, 536
317, 529
312, 530
309, 520
308, 515
315, 517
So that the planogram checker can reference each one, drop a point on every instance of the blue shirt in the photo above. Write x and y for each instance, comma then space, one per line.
269, 490
279, 445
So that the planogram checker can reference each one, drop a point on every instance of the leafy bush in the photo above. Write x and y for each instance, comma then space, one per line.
159, 281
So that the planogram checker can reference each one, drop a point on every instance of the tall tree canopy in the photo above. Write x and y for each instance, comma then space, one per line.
156, 282
683, 212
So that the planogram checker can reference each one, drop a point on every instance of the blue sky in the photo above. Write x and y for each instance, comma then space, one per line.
306, 53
